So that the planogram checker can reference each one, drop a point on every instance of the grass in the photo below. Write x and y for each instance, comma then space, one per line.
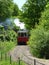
13, 63
5, 47
8, 63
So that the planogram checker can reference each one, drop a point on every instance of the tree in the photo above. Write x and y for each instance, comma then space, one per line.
15, 28
6, 9
32, 12
15, 10
39, 39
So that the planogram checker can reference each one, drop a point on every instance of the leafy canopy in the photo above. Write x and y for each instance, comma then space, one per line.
6, 7
39, 39
32, 12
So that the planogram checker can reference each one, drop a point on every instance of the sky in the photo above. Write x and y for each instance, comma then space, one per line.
19, 3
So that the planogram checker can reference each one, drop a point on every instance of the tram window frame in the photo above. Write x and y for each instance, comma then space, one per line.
21, 34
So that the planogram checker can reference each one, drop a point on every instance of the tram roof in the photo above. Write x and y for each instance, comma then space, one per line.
22, 31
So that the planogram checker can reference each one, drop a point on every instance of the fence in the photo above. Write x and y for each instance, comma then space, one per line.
29, 62
5, 57
33, 61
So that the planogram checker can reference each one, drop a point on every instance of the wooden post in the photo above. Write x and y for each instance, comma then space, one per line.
10, 59
43, 64
1, 56
34, 61
5, 56
19, 60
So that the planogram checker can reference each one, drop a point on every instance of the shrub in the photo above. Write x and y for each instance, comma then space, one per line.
39, 43
7, 39
39, 39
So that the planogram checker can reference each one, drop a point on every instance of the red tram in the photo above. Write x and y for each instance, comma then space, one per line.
22, 37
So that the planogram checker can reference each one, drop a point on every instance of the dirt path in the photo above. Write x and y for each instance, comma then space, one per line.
24, 53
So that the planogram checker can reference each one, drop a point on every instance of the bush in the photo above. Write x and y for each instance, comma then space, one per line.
7, 39
7, 35
6, 46
10, 35
39, 43
39, 39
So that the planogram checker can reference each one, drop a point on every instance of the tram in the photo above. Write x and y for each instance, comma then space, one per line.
22, 37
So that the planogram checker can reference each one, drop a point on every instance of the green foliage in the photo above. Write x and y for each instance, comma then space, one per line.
6, 9
39, 39
39, 43
44, 20
32, 12
7, 35
7, 39
15, 10
6, 46
16, 28
10, 35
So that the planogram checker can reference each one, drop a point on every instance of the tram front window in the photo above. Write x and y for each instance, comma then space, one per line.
22, 34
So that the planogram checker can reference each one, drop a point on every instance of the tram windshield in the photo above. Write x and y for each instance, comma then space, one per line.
22, 34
